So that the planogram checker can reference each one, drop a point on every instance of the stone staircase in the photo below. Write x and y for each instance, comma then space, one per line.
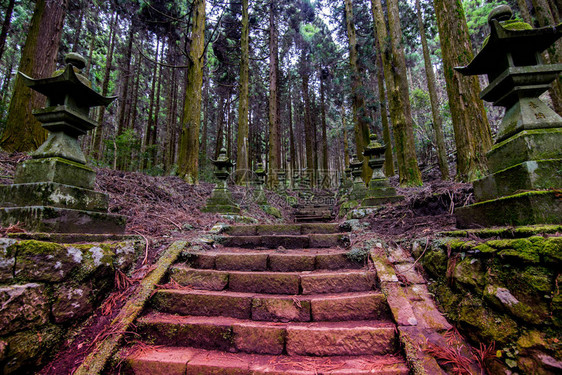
275, 299
318, 208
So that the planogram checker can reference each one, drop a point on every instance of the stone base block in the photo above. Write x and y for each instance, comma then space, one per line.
536, 207
528, 145
62, 220
52, 194
57, 170
381, 200
530, 175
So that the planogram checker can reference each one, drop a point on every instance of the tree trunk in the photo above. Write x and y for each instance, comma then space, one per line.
357, 98
388, 156
524, 10
324, 126
472, 131
345, 140
132, 114
274, 151
97, 148
206, 114
126, 75
292, 146
545, 18
23, 132
191, 118
6, 27
242, 154
437, 121
78, 31
397, 88
308, 131
404, 130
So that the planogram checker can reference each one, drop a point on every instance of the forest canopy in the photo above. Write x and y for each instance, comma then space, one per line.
294, 84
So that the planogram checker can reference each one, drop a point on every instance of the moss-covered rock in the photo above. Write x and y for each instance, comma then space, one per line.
482, 323
43, 261
7, 259
71, 301
30, 349
552, 250
469, 272
22, 307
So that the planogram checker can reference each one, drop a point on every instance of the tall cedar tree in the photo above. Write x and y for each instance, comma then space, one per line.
243, 146
6, 26
274, 149
357, 98
472, 131
398, 93
23, 132
188, 162
437, 121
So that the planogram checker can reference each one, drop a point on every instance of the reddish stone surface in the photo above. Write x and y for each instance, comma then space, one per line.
204, 261
408, 271
242, 241
160, 361
337, 282
287, 241
264, 282
204, 303
198, 332
363, 306
287, 229
242, 230
258, 338
199, 279
399, 304
425, 310
328, 240
341, 338
320, 228
335, 262
280, 309
292, 263
242, 262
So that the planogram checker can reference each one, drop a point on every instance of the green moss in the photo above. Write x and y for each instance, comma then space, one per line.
552, 250
32, 247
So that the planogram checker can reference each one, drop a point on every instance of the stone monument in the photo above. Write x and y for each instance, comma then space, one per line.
221, 201
261, 175
380, 192
53, 192
525, 183
358, 189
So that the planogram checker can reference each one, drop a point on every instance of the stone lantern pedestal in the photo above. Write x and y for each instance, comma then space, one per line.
53, 192
380, 192
221, 201
525, 184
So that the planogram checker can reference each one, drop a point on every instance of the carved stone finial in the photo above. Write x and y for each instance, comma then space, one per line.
501, 13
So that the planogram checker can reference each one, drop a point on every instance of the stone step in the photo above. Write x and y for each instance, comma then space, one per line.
273, 260
235, 335
181, 361
272, 307
275, 282
287, 229
288, 241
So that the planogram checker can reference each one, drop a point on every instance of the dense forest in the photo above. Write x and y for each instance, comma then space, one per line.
295, 84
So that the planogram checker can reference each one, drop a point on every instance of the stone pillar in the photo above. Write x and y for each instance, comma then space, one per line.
261, 176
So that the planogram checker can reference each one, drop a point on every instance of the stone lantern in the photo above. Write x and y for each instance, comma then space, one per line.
358, 190
282, 176
379, 192
261, 175
54, 190
526, 159
221, 200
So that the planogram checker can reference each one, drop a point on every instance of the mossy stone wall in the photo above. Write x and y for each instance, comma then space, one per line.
47, 289
503, 291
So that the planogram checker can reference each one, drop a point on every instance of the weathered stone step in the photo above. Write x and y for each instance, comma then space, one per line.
288, 241
235, 335
273, 260
181, 361
275, 282
274, 308
287, 229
